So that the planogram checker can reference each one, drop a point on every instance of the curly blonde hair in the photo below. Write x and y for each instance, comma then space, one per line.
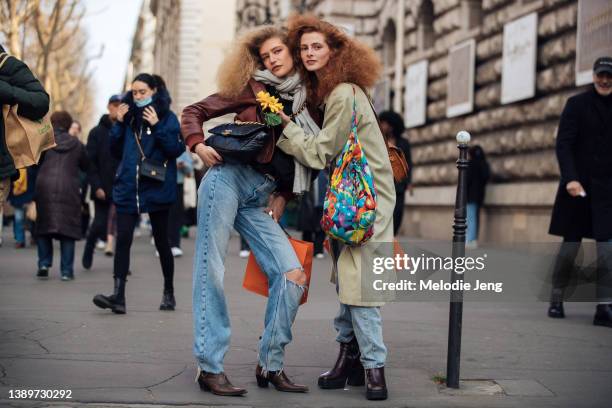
351, 60
243, 59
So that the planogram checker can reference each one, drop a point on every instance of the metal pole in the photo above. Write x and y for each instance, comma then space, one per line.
456, 298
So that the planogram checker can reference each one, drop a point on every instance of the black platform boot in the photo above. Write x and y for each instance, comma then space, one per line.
376, 388
347, 370
116, 301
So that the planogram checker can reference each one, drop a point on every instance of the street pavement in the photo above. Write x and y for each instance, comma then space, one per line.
53, 337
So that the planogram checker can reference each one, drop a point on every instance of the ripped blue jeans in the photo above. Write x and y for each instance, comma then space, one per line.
234, 196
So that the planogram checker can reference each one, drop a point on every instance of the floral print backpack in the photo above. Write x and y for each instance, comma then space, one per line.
350, 202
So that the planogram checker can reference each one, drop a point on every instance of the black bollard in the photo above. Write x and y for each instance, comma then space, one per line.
456, 298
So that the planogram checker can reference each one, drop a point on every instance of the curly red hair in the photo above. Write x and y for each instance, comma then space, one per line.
351, 60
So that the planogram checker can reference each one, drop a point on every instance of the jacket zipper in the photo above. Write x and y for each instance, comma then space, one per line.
137, 172
137, 198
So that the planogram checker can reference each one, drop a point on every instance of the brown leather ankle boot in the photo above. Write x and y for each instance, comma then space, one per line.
347, 370
279, 380
376, 387
218, 384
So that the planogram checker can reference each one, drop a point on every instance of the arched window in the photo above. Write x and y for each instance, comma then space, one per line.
425, 30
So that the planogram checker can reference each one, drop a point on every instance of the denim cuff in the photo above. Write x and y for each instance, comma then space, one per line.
372, 365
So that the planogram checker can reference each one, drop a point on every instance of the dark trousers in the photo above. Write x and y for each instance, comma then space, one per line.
398, 211
98, 227
177, 218
317, 237
44, 244
244, 245
563, 271
125, 234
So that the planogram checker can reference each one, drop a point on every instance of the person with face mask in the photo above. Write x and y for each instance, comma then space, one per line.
102, 169
234, 195
145, 136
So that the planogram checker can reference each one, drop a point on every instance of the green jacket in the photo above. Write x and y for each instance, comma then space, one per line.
19, 86
316, 152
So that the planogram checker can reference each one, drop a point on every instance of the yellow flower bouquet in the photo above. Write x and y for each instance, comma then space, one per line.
270, 106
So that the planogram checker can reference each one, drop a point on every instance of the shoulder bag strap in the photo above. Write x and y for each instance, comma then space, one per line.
377, 118
3, 58
139, 146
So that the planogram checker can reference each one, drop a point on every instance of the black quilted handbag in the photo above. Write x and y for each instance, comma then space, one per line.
239, 142
150, 168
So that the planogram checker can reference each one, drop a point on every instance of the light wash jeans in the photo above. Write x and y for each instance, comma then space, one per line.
364, 323
472, 222
234, 196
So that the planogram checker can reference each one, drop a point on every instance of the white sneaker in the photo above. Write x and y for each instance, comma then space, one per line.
320, 255
244, 253
176, 252
100, 245
471, 245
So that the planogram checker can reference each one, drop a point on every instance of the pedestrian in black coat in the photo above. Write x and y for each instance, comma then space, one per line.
478, 174
102, 169
58, 199
583, 205
392, 126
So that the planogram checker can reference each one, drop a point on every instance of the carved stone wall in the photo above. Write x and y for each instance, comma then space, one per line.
518, 138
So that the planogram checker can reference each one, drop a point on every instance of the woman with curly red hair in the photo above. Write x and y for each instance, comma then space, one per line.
336, 70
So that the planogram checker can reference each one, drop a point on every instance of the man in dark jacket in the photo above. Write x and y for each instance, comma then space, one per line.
102, 169
17, 86
583, 206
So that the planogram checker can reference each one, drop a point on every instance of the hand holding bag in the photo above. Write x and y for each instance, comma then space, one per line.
255, 280
239, 142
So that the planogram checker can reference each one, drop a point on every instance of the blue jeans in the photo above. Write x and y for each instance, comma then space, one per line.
45, 254
472, 222
18, 225
234, 196
364, 323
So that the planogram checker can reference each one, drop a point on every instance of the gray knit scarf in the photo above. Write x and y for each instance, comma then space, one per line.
291, 88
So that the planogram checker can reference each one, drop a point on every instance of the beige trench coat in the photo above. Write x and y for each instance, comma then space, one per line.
316, 152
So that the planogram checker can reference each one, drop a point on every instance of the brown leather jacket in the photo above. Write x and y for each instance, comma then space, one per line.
244, 105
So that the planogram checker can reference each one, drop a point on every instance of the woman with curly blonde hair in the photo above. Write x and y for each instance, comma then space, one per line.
233, 195
336, 70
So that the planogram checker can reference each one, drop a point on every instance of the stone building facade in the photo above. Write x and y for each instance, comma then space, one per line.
183, 41
518, 138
